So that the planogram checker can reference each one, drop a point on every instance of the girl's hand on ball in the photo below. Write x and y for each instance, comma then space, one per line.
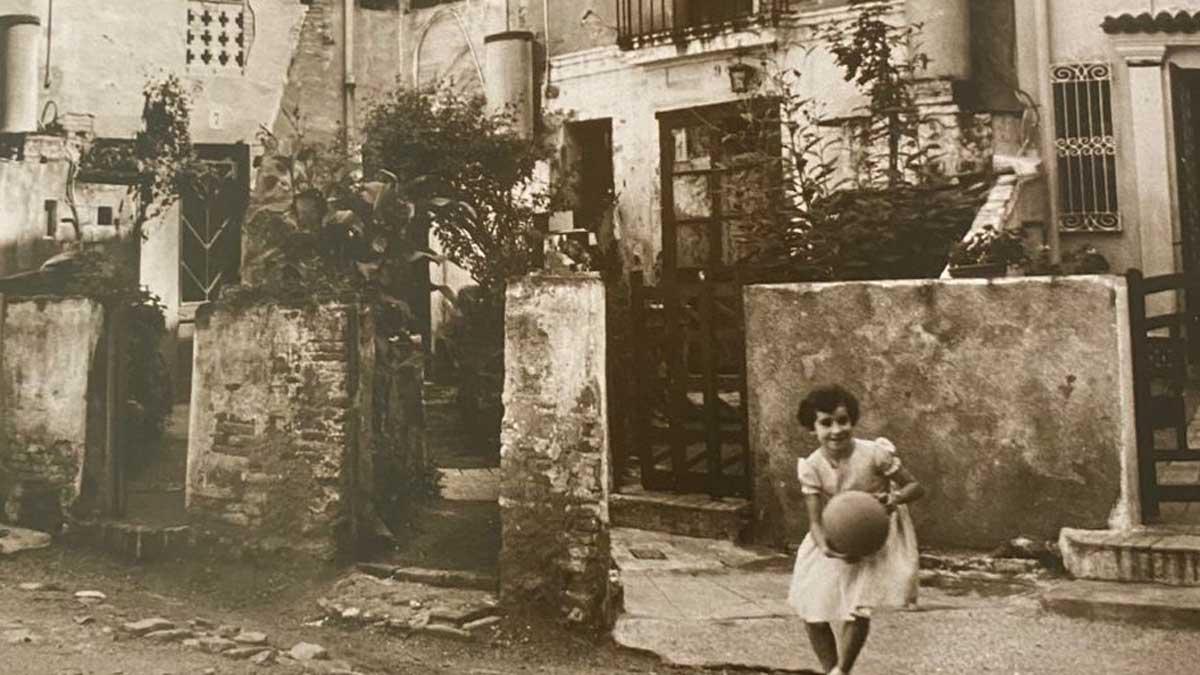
885, 498
831, 553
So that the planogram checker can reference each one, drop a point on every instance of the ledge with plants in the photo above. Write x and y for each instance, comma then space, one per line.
987, 252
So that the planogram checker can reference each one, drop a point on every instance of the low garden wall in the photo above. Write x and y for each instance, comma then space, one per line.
1010, 400
49, 364
281, 432
554, 460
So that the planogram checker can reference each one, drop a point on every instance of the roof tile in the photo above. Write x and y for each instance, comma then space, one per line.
1146, 22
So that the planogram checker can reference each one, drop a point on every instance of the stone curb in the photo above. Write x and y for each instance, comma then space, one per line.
142, 543
431, 577
1142, 604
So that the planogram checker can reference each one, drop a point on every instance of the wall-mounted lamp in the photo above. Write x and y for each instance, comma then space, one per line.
741, 77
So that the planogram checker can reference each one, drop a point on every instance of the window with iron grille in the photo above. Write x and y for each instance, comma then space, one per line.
1085, 148
211, 211
638, 20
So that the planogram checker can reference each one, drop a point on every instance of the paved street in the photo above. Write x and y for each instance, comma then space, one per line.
714, 606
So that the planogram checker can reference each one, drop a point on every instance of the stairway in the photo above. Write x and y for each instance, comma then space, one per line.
690, 515
1163, 554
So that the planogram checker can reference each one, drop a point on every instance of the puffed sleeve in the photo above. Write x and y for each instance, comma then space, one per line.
810, 482
885, 460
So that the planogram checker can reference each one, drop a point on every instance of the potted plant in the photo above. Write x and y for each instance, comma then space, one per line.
986, 253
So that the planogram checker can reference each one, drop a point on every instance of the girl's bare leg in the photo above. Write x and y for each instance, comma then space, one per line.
854, 636
823, 644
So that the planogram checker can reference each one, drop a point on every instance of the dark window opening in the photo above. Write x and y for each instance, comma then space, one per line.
590, 166
722, 181
50, 209
104, 215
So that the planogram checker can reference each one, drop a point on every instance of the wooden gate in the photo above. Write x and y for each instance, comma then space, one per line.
1160, 330
690, 413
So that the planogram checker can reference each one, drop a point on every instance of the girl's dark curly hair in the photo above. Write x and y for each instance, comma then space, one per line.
826, 399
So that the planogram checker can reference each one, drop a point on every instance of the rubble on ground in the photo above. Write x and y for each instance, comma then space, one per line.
15, 539
1020, 560
404, 606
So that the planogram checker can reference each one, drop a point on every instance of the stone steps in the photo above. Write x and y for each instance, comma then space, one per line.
1141, 604
691, 515
432, 577
1163, 555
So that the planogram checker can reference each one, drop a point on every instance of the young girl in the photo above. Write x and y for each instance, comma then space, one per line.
829, 589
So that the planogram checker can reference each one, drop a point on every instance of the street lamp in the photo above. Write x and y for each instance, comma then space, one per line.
741, 77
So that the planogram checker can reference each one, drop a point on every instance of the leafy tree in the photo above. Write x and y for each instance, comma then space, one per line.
320, 227
160, 159
480, 177
471, 166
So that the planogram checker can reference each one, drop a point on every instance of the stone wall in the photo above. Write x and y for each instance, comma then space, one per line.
1010, 400
49, 361
26, 239
281, 425
150, 39
554, 465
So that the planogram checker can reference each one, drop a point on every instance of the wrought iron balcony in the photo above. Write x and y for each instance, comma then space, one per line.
641, 20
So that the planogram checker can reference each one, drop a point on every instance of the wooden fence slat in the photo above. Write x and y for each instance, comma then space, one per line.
1147, 479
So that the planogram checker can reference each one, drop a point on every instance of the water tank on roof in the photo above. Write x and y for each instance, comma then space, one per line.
509, 77
20, 36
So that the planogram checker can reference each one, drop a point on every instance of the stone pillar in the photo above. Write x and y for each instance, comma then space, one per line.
1151, 170
279, 439
945, 36
554, 466
509, 77
20, 35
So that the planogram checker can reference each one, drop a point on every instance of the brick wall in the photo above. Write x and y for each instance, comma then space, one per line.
281, 424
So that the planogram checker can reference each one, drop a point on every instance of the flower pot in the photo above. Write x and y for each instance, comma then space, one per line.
978, 271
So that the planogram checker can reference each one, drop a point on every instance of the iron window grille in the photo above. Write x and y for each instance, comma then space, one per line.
210, 221
642, 20
1085, 148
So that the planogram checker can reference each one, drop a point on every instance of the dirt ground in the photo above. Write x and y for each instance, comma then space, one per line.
277, 597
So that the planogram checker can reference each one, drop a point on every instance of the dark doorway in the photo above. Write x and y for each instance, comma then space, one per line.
1185, 93
689, 336
589, 148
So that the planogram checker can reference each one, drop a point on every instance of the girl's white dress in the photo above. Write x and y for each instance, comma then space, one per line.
830, 589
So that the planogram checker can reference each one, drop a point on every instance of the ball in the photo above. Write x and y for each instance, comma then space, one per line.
856, 524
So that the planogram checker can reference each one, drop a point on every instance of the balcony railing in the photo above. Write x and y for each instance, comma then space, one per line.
640, 20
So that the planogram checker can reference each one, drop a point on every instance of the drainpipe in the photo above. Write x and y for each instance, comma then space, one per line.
348, 112
1043, 11
49, 39
546, 39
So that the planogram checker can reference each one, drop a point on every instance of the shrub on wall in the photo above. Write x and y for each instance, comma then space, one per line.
480, 178
867, 197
